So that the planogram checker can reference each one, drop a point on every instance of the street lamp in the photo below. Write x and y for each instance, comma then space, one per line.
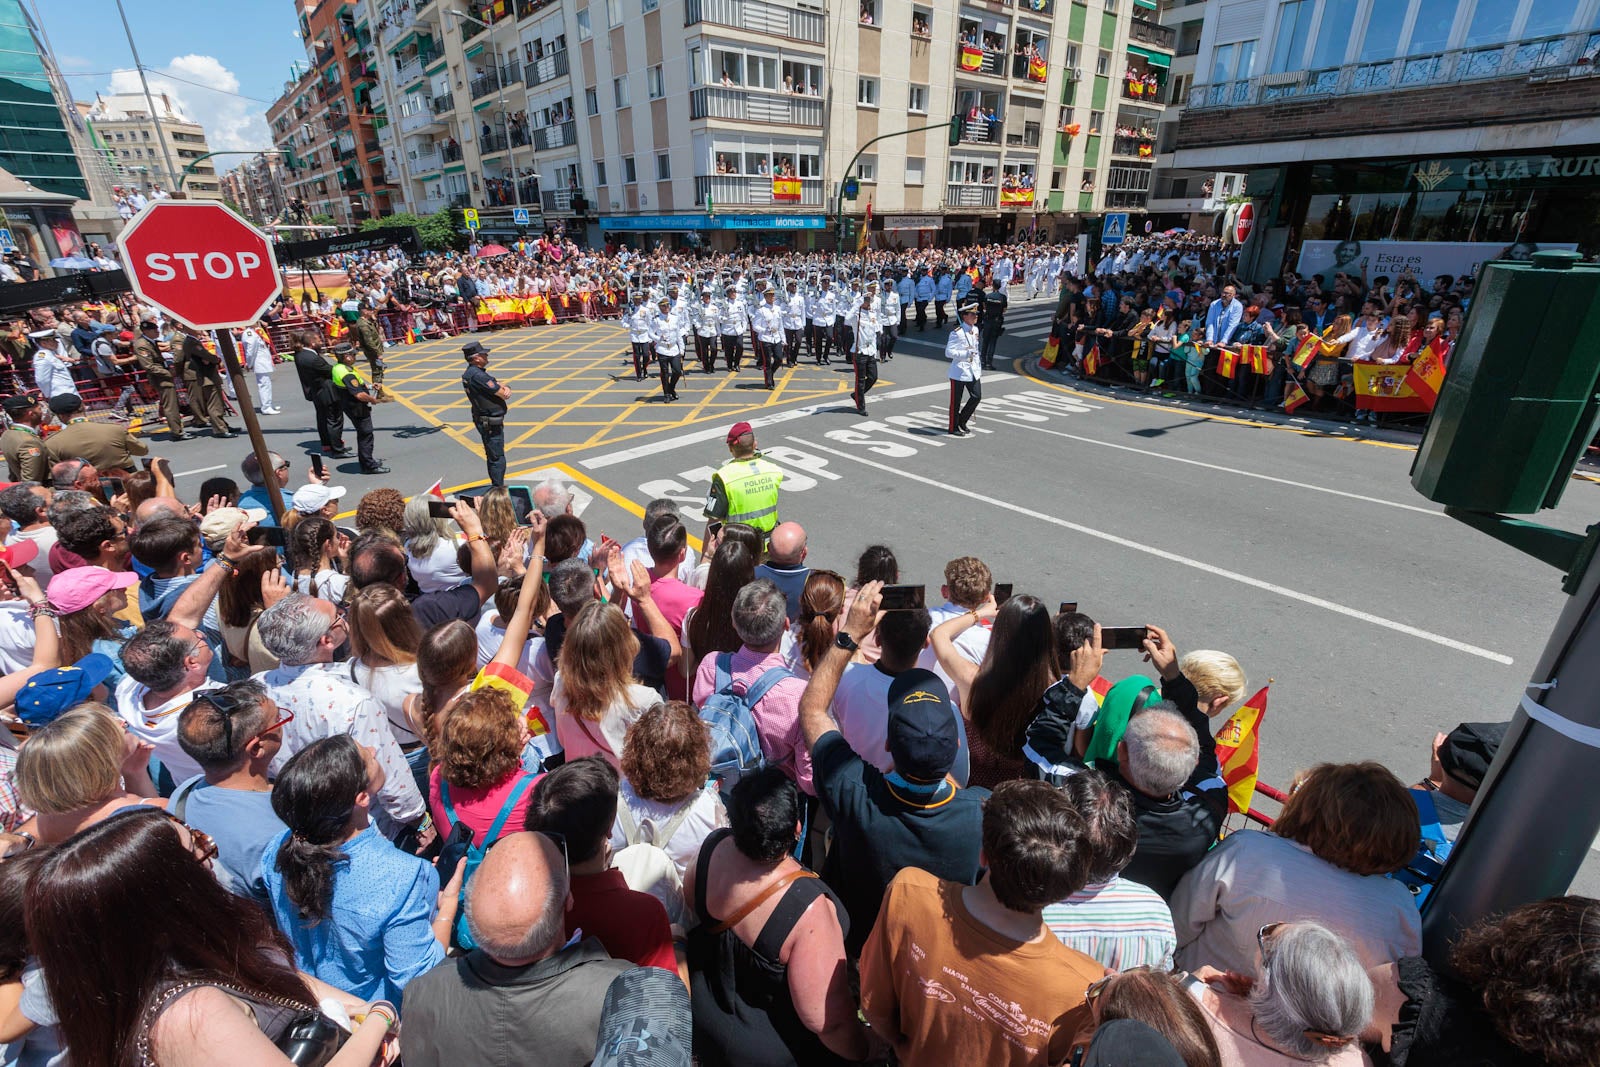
505, 117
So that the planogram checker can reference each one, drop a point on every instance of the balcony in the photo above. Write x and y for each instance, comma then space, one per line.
559, 199
461, 200
1037, 7
422, 162
491, 143
324, 56
338, 120
1144, 93
549, 68
396, 26
970, 59
484, 84
1133, 147
417, 120
1029, 70
960, 194
1152, 33
410, 70
742, 105
528, 7
558, 135
758, 16
755, 190
443, 105
450, 153
982, 132
430, 204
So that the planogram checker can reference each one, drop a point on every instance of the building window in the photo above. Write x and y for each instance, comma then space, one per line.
591, 100
613, 13
1294, 26
654, 84
1070, 56
649, 5
1055, 180
584, 30
871, 12
663, 167
600, 173
762, 72
922, 22
915, 166
867, 168
1111, 5
917, 101
629, 175
867, 92
619, 91
1102, 64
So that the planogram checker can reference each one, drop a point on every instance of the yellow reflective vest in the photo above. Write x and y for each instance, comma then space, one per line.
752, 488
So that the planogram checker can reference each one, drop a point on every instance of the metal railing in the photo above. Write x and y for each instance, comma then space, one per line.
548, 68
416, 120
461, 200
450, 153
422, 162
492, 143
758, 16
1134, 147
443, 105
756, 189
1022, 67
1144, 96
1559, 56
431, 204
959, 194
558, 199
528, 7
982, 132
557, 135
338, 120
409, 71
1151, 33
744, 105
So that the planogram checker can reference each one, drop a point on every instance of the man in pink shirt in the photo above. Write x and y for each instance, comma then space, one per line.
759, 618
668, 541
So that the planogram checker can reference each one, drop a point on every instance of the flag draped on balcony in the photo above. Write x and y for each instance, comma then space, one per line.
786, 190
971, 57
1037, 70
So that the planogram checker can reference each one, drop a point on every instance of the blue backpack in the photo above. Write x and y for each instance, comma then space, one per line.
735, 742
478, 849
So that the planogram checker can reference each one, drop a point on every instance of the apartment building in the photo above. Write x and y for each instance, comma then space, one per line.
327, 121
735, 122
256, 188
1391, 135
140, 143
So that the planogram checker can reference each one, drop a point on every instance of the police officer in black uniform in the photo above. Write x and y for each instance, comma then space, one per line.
488, 399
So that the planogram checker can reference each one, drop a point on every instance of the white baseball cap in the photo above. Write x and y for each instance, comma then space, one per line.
310, 499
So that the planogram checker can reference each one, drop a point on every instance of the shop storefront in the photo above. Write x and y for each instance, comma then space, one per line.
723, 233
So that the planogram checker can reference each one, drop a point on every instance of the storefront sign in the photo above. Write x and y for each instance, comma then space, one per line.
912, 222
1478, 172
680, 223
1423, 260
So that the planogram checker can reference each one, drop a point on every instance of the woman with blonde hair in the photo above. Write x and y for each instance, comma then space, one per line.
430, 548
1217, 678
498, 516
595, 696
384, 639
79, 768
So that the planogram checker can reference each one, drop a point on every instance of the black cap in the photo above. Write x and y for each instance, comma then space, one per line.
922, 734
17, 405
1130, 1043
148, 322
344, 349
1468, 750
66, 403
474, 348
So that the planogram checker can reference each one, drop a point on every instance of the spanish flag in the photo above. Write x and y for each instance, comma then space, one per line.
1256, 358
436, 490
1426, 375
1307, 351
1294, 398
1091, 361
1227, 362
971, 57
1037, 70
786, 190
1052, 350
1239, 751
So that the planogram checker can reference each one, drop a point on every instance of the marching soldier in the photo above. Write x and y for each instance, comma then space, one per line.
26, 460
147, 350
706, 318
768, 325
866, 350
794, 320
732, 322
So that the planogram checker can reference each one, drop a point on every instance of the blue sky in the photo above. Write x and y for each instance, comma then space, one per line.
241, 49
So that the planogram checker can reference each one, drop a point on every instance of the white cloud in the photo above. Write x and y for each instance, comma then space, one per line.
231, 122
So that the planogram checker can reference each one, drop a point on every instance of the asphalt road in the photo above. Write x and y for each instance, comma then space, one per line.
1306, 554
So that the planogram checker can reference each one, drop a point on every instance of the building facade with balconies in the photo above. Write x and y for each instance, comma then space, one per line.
1374, 134
736, 121
139, 145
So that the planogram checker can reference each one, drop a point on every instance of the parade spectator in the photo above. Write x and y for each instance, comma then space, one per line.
666, 797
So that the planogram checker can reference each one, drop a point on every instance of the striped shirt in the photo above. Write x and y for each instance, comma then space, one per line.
1120, 923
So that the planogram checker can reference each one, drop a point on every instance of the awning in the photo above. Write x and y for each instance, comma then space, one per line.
401, 43
456, 168
476, 49
1155, 59
1151, 4
432, 177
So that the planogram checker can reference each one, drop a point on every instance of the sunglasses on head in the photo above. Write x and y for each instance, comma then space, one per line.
226, 707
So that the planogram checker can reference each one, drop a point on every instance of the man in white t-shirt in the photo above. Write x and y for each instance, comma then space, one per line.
167, 663
27, 505
639, 548
968, 587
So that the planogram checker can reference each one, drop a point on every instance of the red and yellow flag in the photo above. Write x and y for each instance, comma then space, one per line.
1239, 751
786, 190
1227, 362
1294, 397
1091, 361
1037, 70
971, 57
1307, 351
1426, 375
1256, 358
1052, 350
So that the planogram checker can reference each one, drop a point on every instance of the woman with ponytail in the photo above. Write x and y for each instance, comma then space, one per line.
821, 608
361, 914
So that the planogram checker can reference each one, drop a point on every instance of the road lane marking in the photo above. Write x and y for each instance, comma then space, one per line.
1173, 557
201, 470
1217, 467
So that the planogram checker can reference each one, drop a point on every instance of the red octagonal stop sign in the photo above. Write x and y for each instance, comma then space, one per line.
201, 263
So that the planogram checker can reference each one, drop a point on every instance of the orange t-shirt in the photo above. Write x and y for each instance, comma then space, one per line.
947, 989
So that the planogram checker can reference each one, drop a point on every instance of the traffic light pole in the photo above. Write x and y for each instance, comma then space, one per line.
839, 206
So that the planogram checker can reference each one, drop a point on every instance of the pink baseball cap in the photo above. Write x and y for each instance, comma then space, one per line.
76, 589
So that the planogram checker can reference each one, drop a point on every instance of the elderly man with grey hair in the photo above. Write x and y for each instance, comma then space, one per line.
1308, 1002
522, 980
639, 548
760, 617
1178, 818
552, 498
256, 495
306, 633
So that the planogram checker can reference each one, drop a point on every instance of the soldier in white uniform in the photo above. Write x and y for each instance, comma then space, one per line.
820, 311
963, 350
888, 318
866, 349
638, 320
666, 330
794, 320
768, 325
706, 315
732, 323
1003, 270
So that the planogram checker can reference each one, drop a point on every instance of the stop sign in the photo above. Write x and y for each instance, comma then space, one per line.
1244, 222
200, 263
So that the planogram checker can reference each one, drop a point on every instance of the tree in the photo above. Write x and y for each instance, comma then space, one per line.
322, 219
439, 231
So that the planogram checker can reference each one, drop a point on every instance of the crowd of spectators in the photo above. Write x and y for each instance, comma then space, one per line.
245, 790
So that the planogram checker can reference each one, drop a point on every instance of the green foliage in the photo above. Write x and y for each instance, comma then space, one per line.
439, 231
322, 219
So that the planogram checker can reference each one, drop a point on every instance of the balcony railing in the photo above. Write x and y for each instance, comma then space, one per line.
450, 153
972, 60
409, 71
492, 143
982, 132
960, 194
423, 162
756, 189
416, 120
1538, 57
528, 7
443, 105
743, 105
1133, 147
1151, 33
430, 204
338, 120
758, 16
484, 84
397, 26
546, 69
461, 200
1024, 68
1145, 94
558, 135
559, 199
324, 57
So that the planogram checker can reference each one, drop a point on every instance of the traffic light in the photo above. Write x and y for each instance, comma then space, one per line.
847, 229
958, 126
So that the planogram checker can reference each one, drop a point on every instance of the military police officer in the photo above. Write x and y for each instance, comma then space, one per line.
745, 489
355, 396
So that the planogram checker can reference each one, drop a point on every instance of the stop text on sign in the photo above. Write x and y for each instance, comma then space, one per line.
218, 265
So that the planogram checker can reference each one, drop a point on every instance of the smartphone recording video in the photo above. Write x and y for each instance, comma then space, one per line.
903, 598
1002, 593
266, 536
1123, 637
